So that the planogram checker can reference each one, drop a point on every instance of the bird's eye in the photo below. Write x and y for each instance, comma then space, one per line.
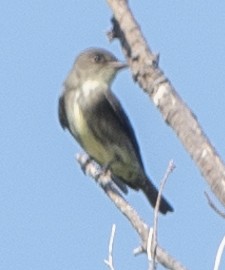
98, 58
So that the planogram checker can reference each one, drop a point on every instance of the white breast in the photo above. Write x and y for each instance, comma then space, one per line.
90, 86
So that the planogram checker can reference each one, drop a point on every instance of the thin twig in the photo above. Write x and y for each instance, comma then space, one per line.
170, 168
213, 206
109, 262
219, 254
149, 246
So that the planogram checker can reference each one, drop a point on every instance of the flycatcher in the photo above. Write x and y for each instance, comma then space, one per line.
96, 119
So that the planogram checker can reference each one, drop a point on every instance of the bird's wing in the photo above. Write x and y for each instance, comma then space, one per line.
123, 118
62, 113
109, 110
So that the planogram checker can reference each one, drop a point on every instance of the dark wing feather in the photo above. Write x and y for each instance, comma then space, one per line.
109, 110
125, 122
62, 113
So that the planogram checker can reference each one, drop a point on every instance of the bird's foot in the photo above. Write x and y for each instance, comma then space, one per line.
103, 172
85, 164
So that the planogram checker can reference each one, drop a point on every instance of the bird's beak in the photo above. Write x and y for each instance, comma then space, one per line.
119, 65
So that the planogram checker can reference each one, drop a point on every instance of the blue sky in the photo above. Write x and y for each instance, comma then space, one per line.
51, 215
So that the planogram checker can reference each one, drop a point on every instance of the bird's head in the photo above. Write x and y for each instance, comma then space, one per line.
95, 65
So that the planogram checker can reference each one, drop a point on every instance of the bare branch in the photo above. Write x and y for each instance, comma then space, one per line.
109, 262
138, 224
145, 70
213, 206
219, 254
150, 249
169, 170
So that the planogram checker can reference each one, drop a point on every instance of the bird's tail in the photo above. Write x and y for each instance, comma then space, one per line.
151, 193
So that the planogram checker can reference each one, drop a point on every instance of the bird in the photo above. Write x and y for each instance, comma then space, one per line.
94, 116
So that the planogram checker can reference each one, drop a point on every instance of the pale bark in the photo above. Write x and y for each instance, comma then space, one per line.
144, 66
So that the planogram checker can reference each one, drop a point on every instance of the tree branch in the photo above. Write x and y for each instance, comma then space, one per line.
109, 261
138, 224
145, 70
219, 254
169, 170
213, 206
